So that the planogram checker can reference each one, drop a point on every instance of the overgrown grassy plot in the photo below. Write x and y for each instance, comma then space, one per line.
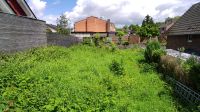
79, 78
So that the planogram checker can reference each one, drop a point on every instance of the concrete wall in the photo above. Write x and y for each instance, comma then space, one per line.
62, 40
82, 35
21, 33
178, 41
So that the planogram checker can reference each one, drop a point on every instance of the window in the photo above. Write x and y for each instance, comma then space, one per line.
189, 39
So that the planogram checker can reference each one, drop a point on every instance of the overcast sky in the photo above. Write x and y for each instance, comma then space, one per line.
120, 12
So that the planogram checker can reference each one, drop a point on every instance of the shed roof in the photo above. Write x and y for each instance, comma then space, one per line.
189, 23
52, 26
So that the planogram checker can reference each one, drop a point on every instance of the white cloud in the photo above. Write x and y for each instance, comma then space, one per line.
56, 2
38, 7
50, 19
120, 12
129, 11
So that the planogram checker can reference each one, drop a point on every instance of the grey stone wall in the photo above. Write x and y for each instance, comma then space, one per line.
21, 33
62, 40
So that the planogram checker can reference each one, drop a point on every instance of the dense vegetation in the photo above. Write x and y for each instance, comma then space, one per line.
187, 72
81, 78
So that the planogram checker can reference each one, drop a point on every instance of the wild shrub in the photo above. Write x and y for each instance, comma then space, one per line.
153, 52
87, 41
147, 68
191, 61
126, 43
192, 67
195, 75
117, 68
120, 35
97, 40
113, 47
187, 72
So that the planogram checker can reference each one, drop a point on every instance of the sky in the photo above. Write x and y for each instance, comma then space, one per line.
121, 12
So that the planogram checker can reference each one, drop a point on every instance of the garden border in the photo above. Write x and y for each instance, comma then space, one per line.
185, 92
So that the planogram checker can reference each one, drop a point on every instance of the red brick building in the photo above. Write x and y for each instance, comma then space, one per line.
92, 25
186, 31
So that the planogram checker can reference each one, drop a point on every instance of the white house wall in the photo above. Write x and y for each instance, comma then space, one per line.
5, 8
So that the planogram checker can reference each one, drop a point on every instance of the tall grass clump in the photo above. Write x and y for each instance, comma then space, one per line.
170, 66
117, 68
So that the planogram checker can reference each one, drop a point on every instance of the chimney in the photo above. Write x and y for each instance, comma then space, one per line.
108, 26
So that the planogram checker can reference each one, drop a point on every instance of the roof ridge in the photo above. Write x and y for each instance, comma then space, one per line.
183, 25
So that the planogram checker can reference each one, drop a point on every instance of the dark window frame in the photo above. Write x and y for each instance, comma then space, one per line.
189, 39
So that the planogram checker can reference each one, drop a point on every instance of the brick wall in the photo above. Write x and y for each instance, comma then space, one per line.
20, 33
62, 40
93, 24
175, 42
134, 39
80, 26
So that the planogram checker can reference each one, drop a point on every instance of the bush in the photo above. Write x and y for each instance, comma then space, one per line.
113, 47
153, 52
126, 43
191, 61
120, 34
97, 40
195, 75
192, 66
147, 68
187, 73
117, 68
87, 41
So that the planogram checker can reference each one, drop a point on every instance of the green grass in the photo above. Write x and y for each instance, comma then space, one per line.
78, 79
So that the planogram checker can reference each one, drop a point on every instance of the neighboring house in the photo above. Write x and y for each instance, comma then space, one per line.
52, 28
19, 27
164, 27
92, 25
186, 31
17, 7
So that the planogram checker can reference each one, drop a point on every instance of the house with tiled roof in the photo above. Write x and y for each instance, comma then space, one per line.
186, 31
92, 25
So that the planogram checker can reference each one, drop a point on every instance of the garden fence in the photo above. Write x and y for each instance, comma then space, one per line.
185, 92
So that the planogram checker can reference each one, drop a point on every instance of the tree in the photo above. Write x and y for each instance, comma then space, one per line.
63, 24
134, 28
148, 29
125, 29
148, 20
